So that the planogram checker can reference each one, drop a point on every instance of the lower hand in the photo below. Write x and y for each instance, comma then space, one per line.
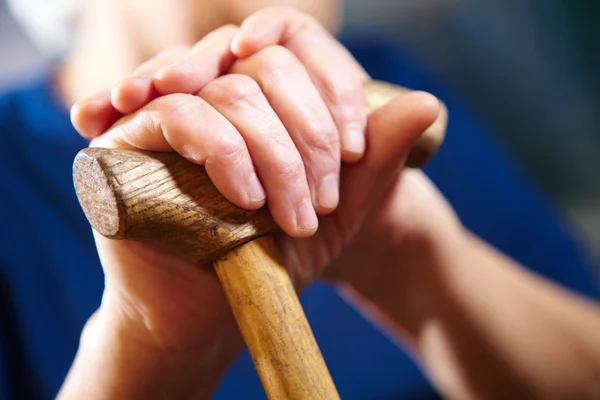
250, 130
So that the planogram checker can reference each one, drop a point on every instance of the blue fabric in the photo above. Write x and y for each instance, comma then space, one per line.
51, 280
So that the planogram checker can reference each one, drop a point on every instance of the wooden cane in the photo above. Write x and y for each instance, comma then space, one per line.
164, 200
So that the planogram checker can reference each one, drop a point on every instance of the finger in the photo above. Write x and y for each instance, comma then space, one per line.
208, 59
278, 162
137, 90
297, 102
337, 75
91, 117
94, 115
392, 130
190, 126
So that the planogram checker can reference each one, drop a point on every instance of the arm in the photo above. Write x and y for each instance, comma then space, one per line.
430, 304
161, 327
493, 198
113, 363
482, 326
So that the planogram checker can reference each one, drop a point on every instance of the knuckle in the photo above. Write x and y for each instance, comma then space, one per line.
288, 166
178, 105
319, 135
345, 98
317, 132
137, 130
340, 91
230, 152
176, 114
234, 89
275, 58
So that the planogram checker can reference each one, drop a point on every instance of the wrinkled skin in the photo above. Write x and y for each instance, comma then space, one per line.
253, 124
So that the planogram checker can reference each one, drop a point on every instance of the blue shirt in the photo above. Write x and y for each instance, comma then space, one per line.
51, 280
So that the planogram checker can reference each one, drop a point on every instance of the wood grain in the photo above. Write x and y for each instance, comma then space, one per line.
161, 198
273, 323
164, 200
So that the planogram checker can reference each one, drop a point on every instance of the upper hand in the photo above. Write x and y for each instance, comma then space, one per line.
313, 85
276, 128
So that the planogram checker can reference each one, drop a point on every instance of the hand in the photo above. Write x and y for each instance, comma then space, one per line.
333, 104
167, 304
333, 70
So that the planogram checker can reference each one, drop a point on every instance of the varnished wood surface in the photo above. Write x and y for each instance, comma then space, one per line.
162, 199
273, 323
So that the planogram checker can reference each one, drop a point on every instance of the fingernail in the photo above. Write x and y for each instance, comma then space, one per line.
306, 218
256, 193
328, 194
354, 139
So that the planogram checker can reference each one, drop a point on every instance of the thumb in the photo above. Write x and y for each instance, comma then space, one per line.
391, 131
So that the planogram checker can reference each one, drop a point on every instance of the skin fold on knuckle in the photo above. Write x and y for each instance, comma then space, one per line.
180, 117
232, 91
288, 168
230, 167
228, 153
136, 131
272, 63
321, 153
343, 96
318, 135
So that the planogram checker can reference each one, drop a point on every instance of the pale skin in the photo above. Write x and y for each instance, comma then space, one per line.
481, 326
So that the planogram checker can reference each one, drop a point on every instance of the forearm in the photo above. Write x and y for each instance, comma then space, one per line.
112, 363
485, 328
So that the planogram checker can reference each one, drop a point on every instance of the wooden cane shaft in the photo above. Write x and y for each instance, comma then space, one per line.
273, 324
164, 200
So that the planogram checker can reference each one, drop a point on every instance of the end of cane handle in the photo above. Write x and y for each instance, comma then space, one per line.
167, 201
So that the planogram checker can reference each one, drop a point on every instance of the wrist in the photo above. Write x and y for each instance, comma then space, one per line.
116, 360
403, 284
402, 260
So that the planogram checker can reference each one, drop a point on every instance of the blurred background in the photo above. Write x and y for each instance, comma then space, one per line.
527, 67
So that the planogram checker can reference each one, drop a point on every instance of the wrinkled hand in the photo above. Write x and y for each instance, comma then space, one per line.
313, 87
270, 109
